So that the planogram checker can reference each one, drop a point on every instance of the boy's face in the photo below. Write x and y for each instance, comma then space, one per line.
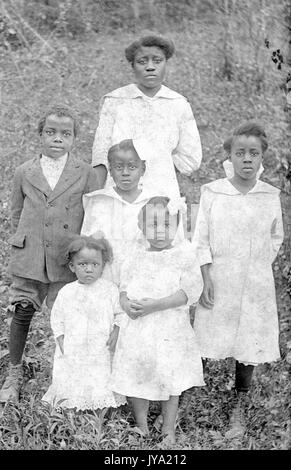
57, 136
126, 168
246, 156
87, 264
159, 227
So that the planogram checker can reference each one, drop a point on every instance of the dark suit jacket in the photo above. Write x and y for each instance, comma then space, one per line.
42, 220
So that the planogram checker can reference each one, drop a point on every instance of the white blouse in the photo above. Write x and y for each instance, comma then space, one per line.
165, 122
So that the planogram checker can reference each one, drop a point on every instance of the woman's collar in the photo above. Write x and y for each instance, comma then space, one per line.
132, 91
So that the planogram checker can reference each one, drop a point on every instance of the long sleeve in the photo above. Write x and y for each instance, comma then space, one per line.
187, 155
277, 233
201, 239
103, 135
191, 279
17, 200
57, 316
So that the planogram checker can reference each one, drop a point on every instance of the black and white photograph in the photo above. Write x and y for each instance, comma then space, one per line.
145, 217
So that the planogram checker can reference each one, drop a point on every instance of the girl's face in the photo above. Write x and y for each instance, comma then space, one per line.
149, 67
57, 137
246, 156
87, 264
159, 227
126, 169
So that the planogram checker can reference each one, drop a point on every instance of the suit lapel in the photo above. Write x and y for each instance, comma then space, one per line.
36, 177
70, 174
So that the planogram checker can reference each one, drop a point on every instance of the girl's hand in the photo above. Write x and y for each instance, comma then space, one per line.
113, 337
130, 306
207, 296
146, 306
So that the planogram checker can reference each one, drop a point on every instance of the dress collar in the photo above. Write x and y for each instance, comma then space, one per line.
132, 91
111, 193
224, 186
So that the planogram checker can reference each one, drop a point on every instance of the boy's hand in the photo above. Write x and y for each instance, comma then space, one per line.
207, 296
112, 340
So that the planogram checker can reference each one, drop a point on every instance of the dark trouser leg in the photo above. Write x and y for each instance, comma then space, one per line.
243, 377
19, 330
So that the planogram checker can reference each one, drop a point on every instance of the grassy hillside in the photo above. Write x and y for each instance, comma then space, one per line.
78, 72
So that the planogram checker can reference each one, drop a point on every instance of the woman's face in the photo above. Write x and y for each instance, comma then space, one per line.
149, 67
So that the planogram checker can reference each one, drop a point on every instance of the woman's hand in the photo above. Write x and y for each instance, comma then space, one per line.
60, 342
113, 337
207, 296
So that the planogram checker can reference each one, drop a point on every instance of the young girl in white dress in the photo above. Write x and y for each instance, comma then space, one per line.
238, 234
156, 355
85, 321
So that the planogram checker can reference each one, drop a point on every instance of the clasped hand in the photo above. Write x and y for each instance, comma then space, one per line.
139, 308
207, 296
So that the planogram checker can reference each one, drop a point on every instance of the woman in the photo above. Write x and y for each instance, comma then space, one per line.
150, 111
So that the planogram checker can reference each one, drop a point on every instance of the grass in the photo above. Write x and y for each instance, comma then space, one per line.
78, 73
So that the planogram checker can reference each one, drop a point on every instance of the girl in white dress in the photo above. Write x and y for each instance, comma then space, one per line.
114, 210
85, 321
238, 234
149, 110
156, 354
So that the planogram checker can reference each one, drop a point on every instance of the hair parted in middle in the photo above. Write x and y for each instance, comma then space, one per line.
98, 244
151, 40
60, 111
124, 145
248, 128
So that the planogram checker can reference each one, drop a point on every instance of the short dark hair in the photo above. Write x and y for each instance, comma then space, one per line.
249, 128
166, 45
60, 111
124, 145
98, 244
154, 201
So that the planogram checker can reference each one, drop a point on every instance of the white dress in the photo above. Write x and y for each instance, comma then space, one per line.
84, 314
107, 212
165, 126
240, 235
157, 355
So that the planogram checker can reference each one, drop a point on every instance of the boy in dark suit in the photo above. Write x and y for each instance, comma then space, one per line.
46, 208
